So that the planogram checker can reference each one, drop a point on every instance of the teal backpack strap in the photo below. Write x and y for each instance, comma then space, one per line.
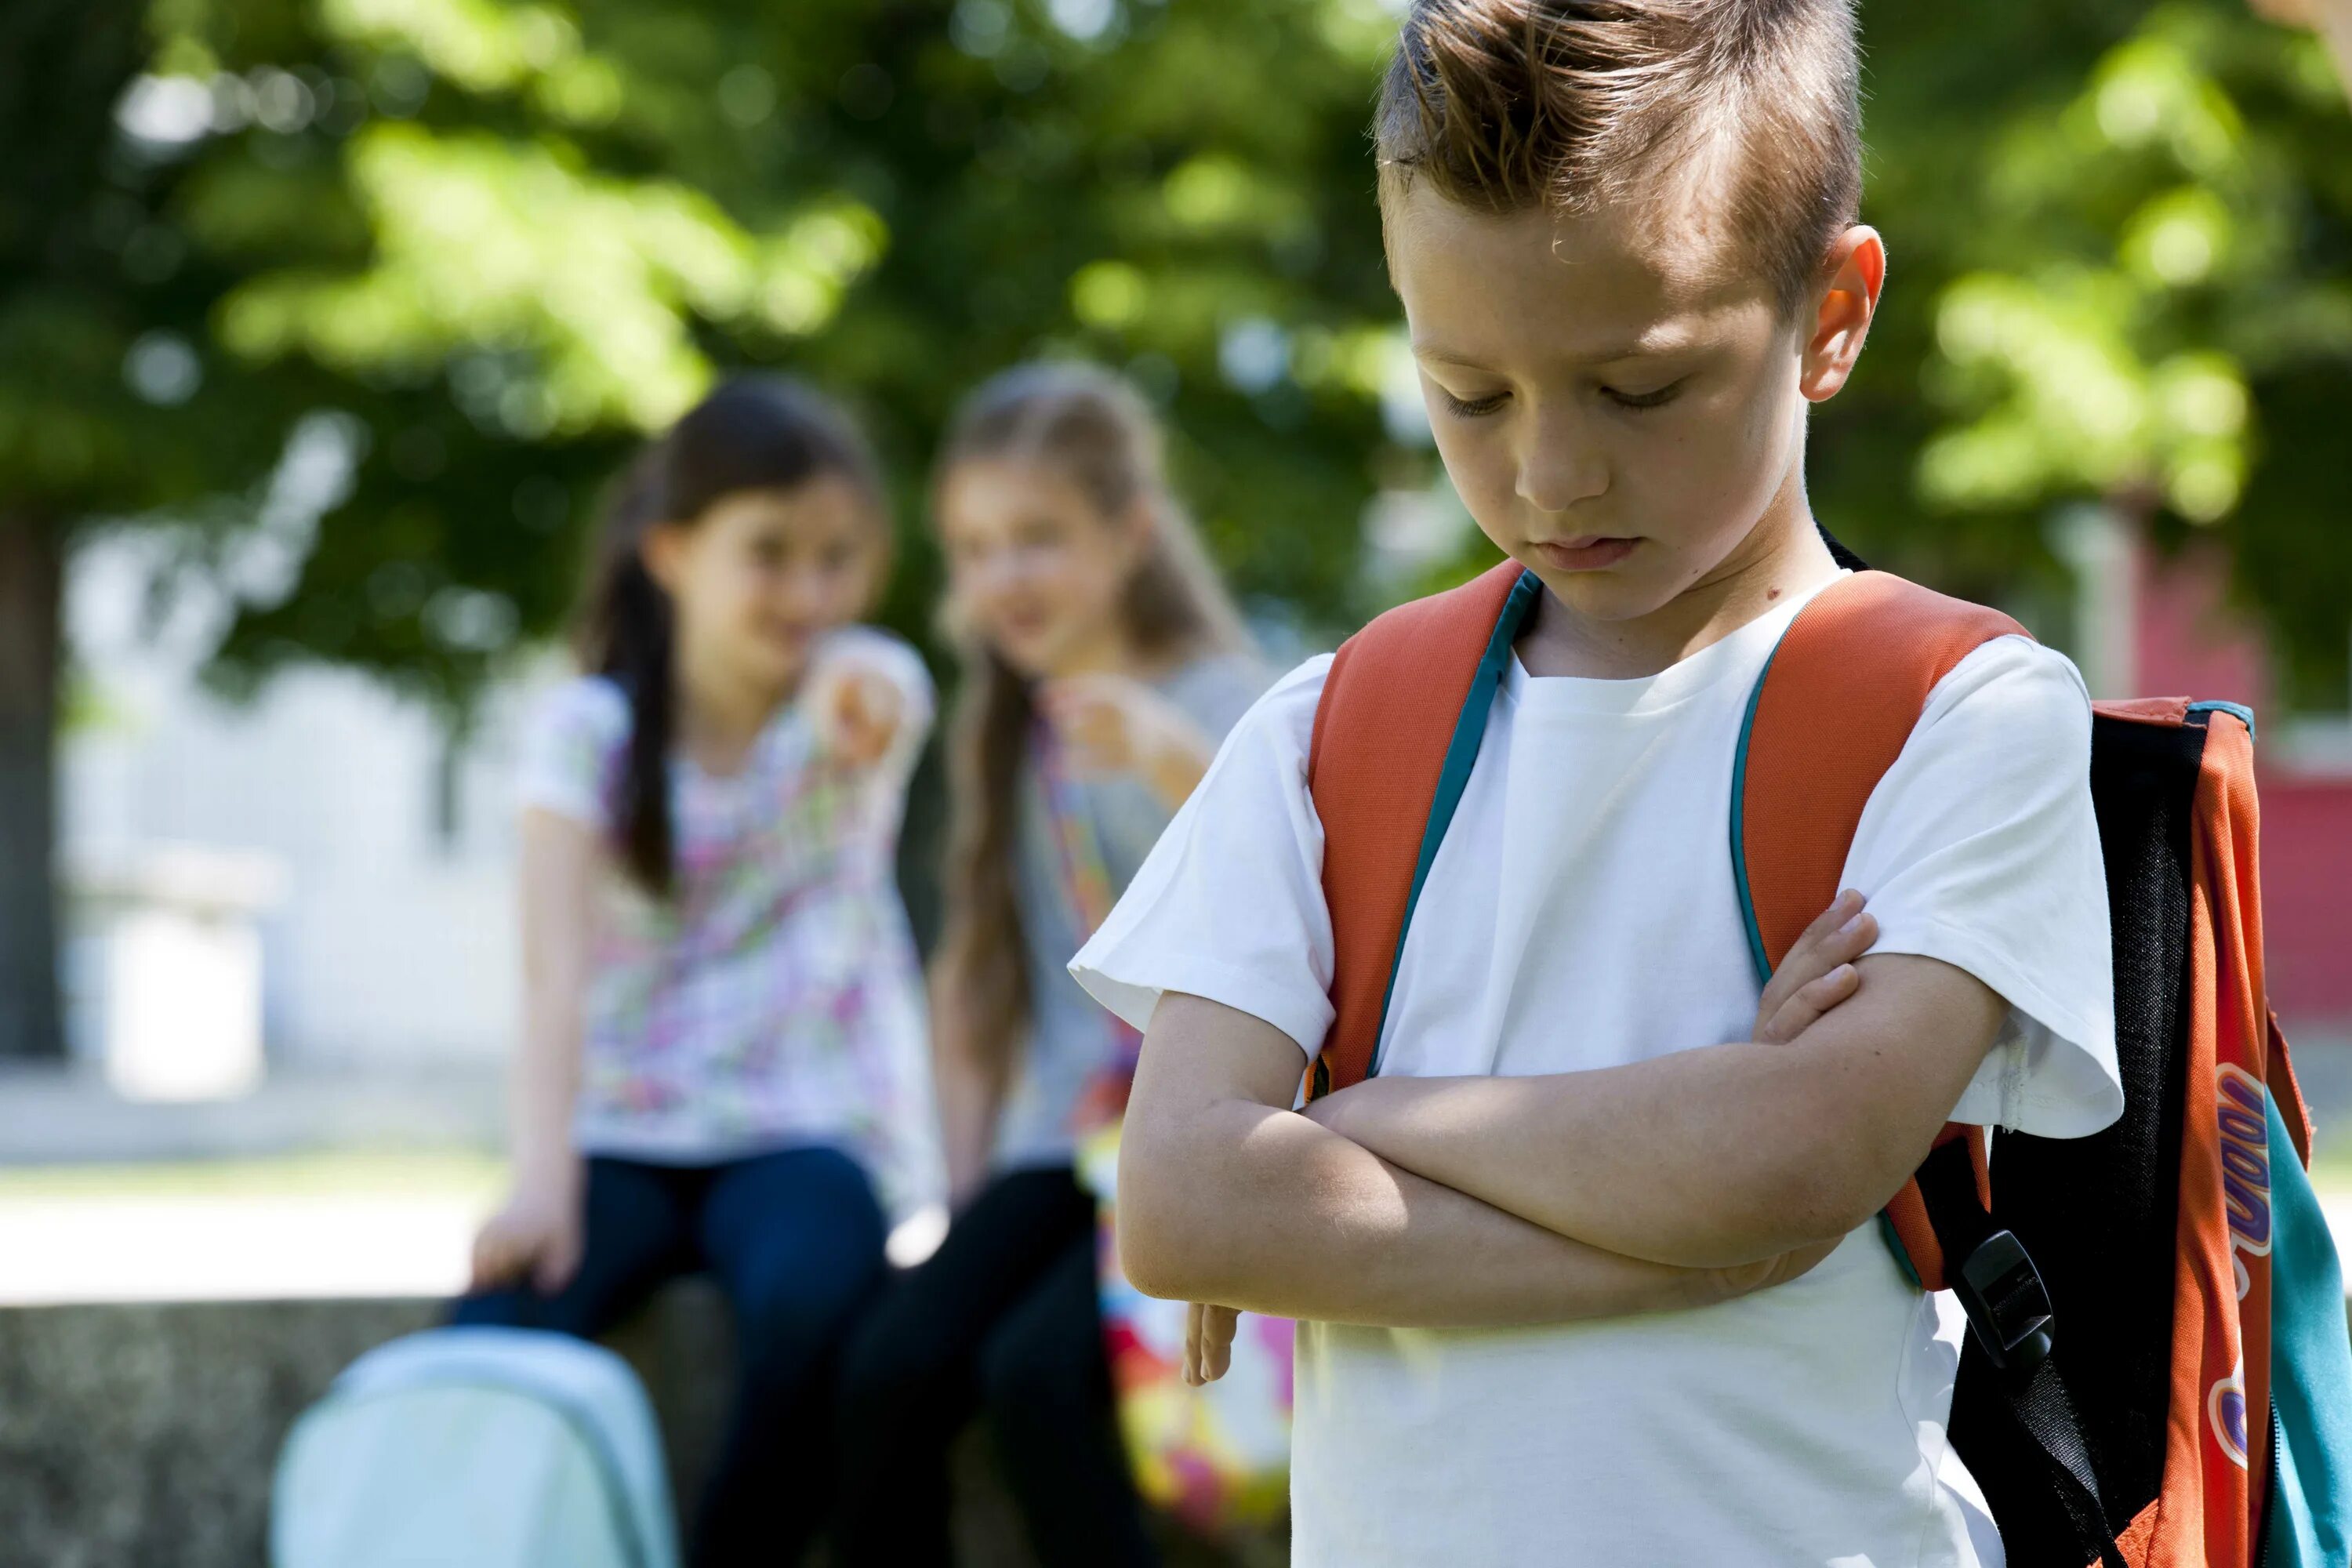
2308, 1513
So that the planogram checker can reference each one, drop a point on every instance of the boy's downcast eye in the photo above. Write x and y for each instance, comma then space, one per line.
1472, 408
1641, 400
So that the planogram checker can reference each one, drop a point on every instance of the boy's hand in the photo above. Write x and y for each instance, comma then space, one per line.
536, 1234
1208, 1341
856, 709
1819, 971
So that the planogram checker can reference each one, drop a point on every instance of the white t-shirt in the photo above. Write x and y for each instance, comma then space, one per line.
1581, 913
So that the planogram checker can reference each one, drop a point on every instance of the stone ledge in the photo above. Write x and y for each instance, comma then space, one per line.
144, 1436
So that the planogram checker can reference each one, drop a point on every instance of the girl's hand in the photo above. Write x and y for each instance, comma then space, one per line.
856, 709
1111, 724
1208, 1341
1819, 971
536, 1236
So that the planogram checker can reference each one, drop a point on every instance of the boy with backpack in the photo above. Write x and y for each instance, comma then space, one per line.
1572, 1290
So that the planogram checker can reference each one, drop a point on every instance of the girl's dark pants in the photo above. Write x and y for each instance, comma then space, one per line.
1003, 1320
795, 1239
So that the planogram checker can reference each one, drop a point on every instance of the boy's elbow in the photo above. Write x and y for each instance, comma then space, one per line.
1822, 1205
1831, 1194
1161, 1249
1151, 1264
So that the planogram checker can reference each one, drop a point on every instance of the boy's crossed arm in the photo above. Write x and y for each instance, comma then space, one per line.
1704, 1158
1226, 1195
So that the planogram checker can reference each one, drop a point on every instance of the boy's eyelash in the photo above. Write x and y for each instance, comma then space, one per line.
1462, 408
1473, 409
1639, 401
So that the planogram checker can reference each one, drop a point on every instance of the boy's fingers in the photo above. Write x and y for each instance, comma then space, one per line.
1853, 939
1819, 951
1801, 1011
1843, 907
1217, 1348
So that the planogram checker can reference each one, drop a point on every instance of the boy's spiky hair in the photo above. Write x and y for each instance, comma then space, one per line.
1745, 107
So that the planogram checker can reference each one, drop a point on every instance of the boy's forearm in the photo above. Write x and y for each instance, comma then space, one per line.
1713, 1157
1225, 1195
1259, 1208
1619, 1164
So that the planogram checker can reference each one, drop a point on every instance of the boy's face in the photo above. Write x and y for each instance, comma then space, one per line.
1620, 410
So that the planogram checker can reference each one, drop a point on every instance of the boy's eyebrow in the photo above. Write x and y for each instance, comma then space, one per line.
1656, 342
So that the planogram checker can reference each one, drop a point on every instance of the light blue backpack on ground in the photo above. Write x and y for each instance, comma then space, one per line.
476, 1447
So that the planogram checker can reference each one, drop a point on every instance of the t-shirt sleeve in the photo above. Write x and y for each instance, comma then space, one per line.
1980, 847
1229, 903
571, 742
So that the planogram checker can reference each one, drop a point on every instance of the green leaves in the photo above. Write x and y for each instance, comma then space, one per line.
2149, 231
582, 293
498, 240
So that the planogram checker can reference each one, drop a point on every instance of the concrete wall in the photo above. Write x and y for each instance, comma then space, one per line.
144, 1436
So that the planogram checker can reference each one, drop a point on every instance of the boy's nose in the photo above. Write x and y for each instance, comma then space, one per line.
1560, 468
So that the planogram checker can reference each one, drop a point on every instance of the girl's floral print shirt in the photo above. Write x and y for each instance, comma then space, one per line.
774, 998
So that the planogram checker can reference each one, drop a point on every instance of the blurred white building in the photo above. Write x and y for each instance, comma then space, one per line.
387, 937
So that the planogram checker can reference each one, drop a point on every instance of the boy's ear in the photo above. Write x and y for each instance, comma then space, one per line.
1856, 270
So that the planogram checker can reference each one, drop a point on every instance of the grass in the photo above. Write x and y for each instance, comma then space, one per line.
343, 1173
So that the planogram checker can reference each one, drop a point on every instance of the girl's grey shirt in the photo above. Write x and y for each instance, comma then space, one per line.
1071, 1037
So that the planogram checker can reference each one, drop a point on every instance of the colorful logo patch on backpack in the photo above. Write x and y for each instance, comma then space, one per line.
2225, 1408
2239, 1109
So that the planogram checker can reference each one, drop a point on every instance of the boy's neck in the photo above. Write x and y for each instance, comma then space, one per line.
1781, 556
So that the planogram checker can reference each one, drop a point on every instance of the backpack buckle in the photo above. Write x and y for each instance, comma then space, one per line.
2007, 1304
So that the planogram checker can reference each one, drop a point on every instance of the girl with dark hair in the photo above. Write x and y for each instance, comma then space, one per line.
722, 1061
1102, 665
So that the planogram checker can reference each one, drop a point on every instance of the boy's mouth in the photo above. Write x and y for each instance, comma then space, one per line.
1586, 551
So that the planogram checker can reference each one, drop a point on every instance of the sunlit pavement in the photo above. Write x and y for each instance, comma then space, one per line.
75, 1247
82, 1247
232, 1247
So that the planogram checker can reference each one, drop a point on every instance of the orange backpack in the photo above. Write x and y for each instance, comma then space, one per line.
2157, 1371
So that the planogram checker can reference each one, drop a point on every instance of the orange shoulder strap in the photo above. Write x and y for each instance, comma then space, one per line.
1833, 709
1385, 730
1837, 701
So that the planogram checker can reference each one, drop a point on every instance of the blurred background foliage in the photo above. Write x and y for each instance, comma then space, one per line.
459, 252
2122, 241
355, 304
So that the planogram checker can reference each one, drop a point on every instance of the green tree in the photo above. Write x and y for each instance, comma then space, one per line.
2125, 279
90, 285
390, 285
358, 301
